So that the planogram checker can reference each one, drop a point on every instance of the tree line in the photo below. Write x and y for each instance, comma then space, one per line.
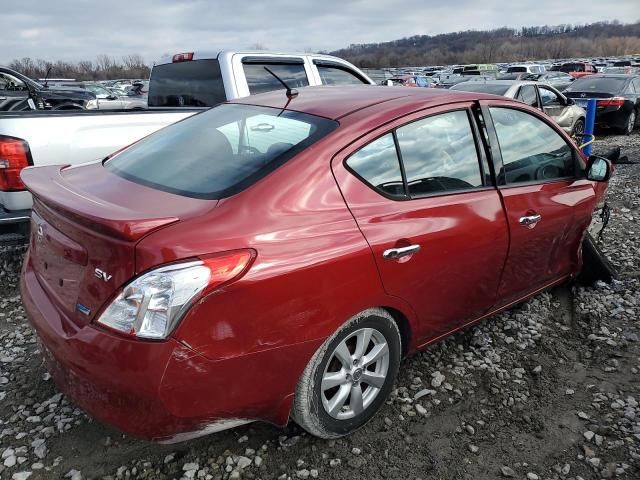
499, 45
105, 67
471, 46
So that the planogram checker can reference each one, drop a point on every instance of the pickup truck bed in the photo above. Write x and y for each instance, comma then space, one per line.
81, 136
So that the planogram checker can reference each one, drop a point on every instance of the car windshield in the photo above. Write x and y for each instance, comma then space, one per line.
219, 152
480, 87
598, 84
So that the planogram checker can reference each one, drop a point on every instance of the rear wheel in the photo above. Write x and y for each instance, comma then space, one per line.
631, 123
350, 376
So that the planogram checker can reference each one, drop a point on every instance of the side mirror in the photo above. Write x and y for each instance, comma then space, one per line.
598, 169
112, 97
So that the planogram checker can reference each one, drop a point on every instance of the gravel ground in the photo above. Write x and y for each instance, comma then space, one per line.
548, 390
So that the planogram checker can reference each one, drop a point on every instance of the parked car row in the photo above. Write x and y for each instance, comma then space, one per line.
20, 93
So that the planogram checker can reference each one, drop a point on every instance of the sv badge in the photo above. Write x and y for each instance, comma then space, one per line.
102, 275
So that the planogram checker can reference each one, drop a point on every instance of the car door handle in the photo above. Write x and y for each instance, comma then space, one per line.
530, 220
395, 253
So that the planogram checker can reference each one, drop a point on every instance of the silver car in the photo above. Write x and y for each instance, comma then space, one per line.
539, 95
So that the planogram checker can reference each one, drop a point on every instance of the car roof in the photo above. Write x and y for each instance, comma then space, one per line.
336, 102
213, 54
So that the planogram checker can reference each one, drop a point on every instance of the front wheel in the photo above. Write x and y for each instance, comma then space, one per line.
578, 131
350, 376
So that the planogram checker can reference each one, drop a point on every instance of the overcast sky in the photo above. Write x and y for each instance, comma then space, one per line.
76, 30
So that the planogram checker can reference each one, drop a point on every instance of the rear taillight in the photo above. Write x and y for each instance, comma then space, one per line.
152, 305
611, 102
182, 57
14, 156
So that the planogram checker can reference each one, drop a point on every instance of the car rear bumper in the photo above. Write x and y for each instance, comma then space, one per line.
611, 117
161, 391
14, 226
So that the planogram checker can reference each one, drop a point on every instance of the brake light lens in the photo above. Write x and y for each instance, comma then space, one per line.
611, 102
14, 156
152, 305
182, 57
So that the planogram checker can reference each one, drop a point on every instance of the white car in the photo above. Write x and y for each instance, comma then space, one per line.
526, 68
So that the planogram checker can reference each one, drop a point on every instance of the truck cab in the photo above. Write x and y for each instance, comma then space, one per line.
205, 79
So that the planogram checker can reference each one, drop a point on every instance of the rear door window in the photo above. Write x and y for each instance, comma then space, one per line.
196, 83
219, 152
331, 75
439, 154
260, 80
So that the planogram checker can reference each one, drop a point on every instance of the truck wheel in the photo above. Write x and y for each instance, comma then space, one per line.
350, 376
595, 264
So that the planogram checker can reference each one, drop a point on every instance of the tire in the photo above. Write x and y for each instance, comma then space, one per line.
631, 123
312, 406
578, 131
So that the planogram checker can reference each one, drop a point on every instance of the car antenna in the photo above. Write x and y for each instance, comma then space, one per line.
46, 76
291, 92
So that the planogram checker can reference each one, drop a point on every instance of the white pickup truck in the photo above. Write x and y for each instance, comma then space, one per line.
180, 86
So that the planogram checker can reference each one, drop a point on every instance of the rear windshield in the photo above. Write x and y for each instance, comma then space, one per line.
598, 84
572, 67
480, 87
195, 83
516, 69
219, 152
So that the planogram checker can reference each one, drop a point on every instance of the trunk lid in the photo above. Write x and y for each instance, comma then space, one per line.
587, 95
85, 225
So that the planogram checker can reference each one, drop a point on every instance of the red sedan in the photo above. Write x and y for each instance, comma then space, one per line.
276, 257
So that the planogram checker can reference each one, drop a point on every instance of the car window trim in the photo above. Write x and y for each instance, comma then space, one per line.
496, 153
338, 66
483, 146
536, 182
267, 60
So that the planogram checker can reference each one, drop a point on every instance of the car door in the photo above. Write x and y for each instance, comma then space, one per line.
546, 198
14, 94
555, 105
422, 196
527, 94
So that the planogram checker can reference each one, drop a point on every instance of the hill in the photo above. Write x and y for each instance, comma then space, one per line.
499, 45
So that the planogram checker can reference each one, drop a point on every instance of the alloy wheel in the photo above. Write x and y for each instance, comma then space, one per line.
355, 373
631, 122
